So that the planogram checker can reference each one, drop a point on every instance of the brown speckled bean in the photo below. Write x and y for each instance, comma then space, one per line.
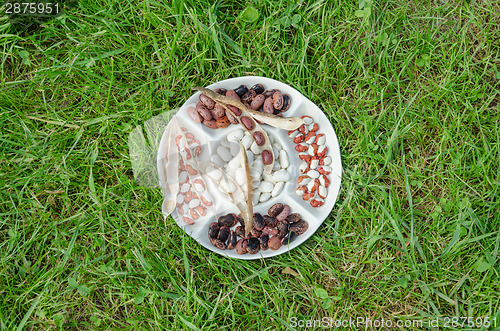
207, 101
278, 100
274, 243
195, 116
268, 106
241, 246
235, 110
204, 112
232, 94
275, 209
257, 101
247, 122
211, 124
231, 118
259, 138
267, 157
218, 111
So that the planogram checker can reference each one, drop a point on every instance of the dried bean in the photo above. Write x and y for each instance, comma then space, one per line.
233, 239
204, 112
247, 122
268, 106
195, 116
284, 213
264, 240
213, 230
268, 93
240, 90
207, 101
299, 227
269, 230
270, 221
234, 109
231, 118
240, 231
217, 243
259, 138
257, 101
267, 157
258, 221
253, 246
288, 238
278, 100
255, 233
286, 103
247, 97
232, 94
292, 218
275, 209
223, 233
228, 220
274, 243
218, 111
220, 91
222, 122
258, 88
282, 228
241, 246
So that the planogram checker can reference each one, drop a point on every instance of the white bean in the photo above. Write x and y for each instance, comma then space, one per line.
281, 176
236, 135
214, 173
255, 197
277, 146
268, 177
234, 163
224, 153
277, 189
247, 141
235, 148
264, 197
240, 176
284, 161
254, 148
250, 157
266, 187
216, 159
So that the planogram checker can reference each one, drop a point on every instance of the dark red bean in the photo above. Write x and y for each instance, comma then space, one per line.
195, 116
235, 110
299, 227
217, 243
259, 138
228, 220
247, 122
284, 213
286, 103
267, 157
292, 218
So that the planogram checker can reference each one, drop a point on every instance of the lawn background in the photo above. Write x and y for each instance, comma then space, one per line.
411, 88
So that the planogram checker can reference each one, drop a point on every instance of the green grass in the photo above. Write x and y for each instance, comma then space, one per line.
412, 91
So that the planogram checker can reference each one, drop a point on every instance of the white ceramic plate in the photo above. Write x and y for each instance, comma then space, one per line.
209, 138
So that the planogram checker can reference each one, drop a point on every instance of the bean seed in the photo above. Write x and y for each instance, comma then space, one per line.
207, 101
195, 116
247, 122
259, 138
